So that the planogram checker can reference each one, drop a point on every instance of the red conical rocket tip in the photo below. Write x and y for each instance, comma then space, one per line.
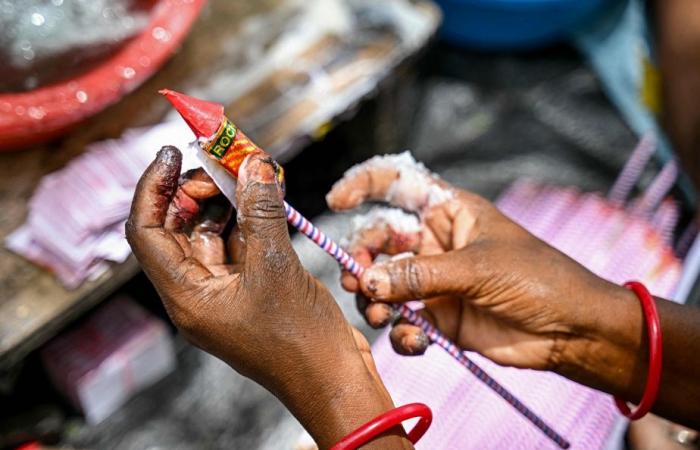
204, 118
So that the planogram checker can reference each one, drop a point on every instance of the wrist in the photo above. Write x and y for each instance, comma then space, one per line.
341, 399
609, 349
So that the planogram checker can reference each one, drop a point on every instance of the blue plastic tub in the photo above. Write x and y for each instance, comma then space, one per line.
512, 24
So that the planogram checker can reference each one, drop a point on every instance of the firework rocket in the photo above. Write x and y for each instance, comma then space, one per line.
222, 144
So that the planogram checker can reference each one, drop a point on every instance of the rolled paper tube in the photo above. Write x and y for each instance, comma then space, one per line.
633, 169
665, 219
686, 239
657, 190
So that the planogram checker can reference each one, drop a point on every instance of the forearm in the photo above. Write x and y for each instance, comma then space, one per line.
342, 400
612, 354
678, 44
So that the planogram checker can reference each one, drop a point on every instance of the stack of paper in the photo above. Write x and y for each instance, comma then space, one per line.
76, 216
118, 351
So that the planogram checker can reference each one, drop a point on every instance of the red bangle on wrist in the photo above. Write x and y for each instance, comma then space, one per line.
387, 421
651, 315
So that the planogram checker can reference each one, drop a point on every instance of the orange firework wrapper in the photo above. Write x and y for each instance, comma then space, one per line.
230, 147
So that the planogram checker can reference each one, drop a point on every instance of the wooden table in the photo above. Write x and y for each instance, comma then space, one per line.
33, 306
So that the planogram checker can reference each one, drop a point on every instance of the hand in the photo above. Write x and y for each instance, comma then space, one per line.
486, 282
494, 288
263, 313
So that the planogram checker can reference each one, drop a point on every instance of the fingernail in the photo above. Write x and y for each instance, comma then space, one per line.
421, 342
377, 281
407, 344
169, 155
415, 344
389, 313
257, 168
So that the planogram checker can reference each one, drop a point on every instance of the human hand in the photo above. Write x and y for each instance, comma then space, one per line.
494, 288
485, 282
259, 311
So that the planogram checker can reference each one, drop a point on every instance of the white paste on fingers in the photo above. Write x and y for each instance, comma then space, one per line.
414, 189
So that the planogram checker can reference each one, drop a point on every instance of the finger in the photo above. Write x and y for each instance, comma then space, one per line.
408, 340
463, 228
440, 225
396, 179
208, 248
361, 183
236, 246
420, 277
198, 184
348, 280
182, 212
377, 314
197, 199
393, 244
222, 270
155, 190
262, 218
453, 223
430, 244
162, 257
445, 313
184, 242
388, 231
361, 303
186, 212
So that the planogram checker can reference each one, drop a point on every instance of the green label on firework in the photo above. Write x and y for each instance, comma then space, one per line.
224, 139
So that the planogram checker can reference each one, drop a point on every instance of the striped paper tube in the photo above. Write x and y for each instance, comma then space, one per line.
665, 219
348, 262
657, 190
633, 169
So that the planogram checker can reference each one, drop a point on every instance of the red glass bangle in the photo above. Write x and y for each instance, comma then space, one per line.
387, 421
651, 315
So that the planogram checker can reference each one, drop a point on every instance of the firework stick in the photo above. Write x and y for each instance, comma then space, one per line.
227, 147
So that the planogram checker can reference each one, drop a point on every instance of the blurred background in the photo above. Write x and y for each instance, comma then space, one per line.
494, 95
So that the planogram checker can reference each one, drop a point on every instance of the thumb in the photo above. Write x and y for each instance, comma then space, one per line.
261, 215
418, 277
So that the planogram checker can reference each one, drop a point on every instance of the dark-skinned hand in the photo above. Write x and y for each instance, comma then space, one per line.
250, 302
494, 288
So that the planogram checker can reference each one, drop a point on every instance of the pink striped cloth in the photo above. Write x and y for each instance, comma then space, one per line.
615, 243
